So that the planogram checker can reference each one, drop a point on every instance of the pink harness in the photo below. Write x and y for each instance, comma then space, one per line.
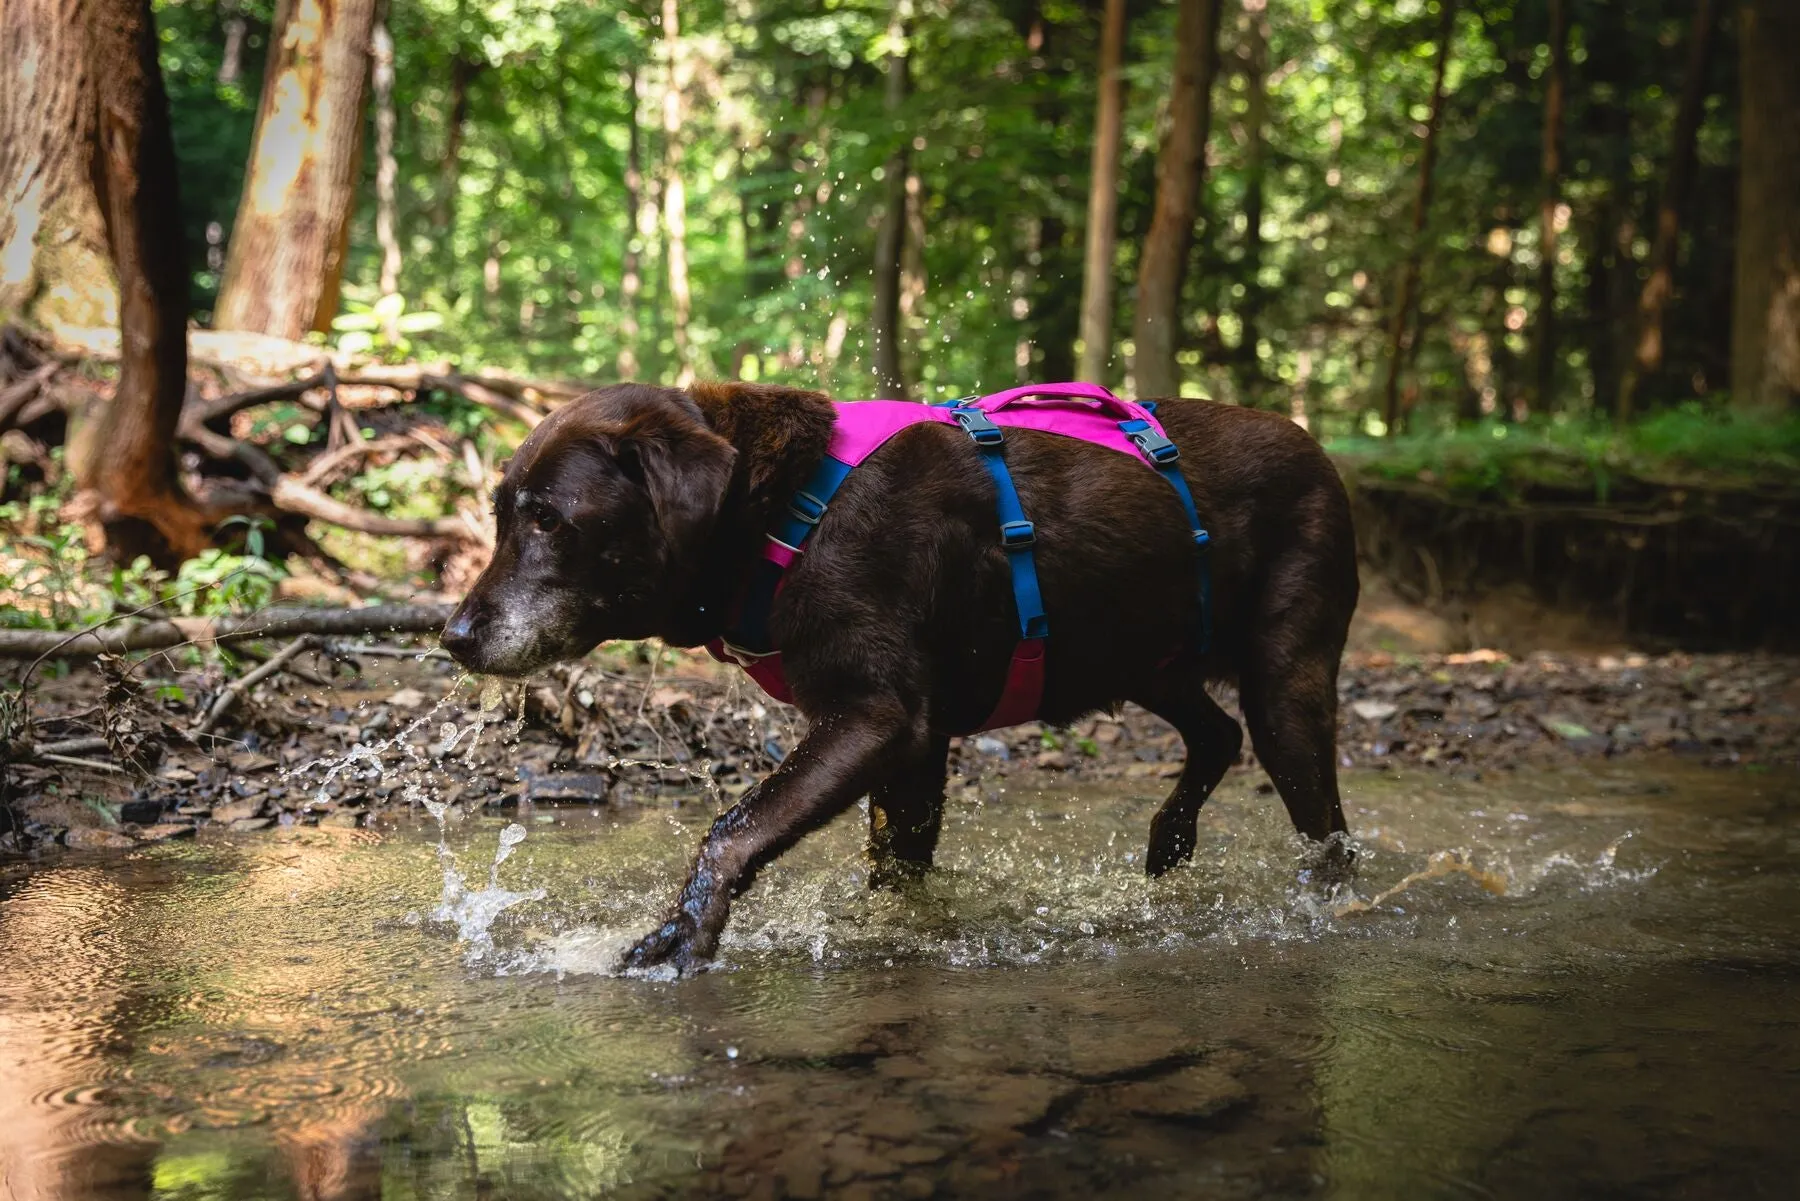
1083, 411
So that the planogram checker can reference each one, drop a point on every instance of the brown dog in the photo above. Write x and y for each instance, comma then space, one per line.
637, 511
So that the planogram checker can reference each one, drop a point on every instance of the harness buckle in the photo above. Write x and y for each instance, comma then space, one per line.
806, 507
1158, 449
975, 423
1015, 535
1202, 539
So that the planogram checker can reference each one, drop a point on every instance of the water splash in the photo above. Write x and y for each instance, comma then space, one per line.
473, 911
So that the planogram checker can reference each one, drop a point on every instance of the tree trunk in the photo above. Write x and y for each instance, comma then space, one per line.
1256, 115
129, 472
631, 281
1103, 201
890, 235
1609, 80
235, 29
674, 195
1180, 170
286, 257
54, 266
1554, 86
1406, 299
1646, 359
1765, 315
387, 171
463, 72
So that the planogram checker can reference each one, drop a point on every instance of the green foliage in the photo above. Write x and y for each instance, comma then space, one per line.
516, 119
50, 580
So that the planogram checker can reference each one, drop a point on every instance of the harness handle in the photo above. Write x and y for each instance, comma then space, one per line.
1121, 409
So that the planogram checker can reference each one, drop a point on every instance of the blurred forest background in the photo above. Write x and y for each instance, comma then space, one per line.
1555, 244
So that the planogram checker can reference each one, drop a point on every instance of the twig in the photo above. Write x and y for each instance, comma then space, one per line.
378, 650
270, 623
71, 746
325, 464
87, 764
240, 688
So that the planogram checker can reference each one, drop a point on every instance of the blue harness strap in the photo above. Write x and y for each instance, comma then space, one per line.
1017, 534
1165, 456
791, 531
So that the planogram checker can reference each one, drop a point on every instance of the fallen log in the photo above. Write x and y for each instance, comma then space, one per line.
281, 622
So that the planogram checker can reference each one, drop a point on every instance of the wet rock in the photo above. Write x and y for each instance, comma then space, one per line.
84, 838
1564, 727
343, 819
140, 813
245, 762
564, 786
246, 825
165, 831
408, 699
1373, 710
236, 811
1192, 1095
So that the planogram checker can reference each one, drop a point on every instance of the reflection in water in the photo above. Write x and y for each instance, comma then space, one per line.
1561, 985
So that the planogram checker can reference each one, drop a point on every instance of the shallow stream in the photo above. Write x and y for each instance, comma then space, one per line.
1569, 984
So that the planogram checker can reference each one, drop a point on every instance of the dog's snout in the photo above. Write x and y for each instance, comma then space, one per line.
459, 636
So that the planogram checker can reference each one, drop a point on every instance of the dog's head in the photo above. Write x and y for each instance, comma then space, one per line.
602, 517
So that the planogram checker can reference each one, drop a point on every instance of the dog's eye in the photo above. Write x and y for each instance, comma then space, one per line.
547, 520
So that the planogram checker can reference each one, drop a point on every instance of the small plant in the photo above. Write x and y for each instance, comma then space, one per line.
382, 327
219, 581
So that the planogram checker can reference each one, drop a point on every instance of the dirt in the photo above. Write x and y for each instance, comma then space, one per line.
623, 728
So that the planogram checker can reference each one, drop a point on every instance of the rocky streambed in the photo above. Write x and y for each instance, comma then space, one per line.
348, 735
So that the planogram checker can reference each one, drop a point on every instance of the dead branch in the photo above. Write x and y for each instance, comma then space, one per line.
325, 464
285, 622
293, 496
239, 688
84, 764
484, 396
16, 395
220, 407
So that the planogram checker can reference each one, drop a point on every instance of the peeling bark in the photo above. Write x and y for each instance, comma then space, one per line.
54, 266
285, 260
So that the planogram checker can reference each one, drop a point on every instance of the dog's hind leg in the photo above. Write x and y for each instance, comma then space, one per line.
1288, 685
1213, 740
905, 813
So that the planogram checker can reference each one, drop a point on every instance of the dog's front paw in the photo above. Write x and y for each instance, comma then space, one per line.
676, 943
1331, 864
1172, 838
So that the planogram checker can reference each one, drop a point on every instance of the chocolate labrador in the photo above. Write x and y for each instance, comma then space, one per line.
638, 511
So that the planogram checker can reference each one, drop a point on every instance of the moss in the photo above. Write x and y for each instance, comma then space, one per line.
1688, 447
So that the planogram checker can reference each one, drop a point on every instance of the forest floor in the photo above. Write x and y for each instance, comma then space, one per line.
637, 723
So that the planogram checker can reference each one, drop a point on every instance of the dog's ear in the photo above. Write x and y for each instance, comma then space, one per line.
686, 469
772, 422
